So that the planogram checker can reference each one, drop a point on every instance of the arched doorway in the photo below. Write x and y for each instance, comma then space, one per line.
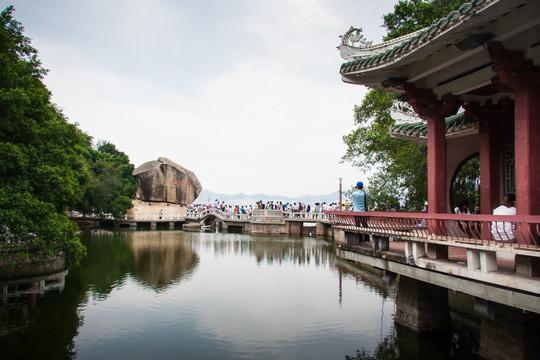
465, 185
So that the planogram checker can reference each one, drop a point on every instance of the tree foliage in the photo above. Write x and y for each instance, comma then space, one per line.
412, 15
398, 167
111, 184
41, 162
47, 165
466, 185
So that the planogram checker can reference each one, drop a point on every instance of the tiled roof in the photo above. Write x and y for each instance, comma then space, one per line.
453, 124
422, 37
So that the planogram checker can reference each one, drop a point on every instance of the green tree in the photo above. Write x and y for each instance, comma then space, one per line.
112, 185
412, 15
398, 167
43, 170
466, 185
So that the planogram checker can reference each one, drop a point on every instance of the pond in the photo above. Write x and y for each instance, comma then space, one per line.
189, 295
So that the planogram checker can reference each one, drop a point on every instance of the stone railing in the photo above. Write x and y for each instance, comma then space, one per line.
218, 213
154, 217
268, 214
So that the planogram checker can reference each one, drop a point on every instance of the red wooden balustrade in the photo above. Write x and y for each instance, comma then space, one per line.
522, 231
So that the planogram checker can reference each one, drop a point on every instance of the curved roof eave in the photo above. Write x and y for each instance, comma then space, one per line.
456, 125
443, 33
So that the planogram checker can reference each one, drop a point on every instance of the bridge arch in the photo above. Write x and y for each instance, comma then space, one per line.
215, 222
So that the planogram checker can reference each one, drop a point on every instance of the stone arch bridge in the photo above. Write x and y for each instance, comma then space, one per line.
276, 222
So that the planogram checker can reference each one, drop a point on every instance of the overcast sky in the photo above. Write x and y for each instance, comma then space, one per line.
245, 93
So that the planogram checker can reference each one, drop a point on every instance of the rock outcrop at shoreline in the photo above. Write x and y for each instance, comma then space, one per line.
163, 180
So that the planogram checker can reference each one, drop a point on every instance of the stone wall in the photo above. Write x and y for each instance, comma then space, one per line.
31, 267
274, 229
511, 334
422, 307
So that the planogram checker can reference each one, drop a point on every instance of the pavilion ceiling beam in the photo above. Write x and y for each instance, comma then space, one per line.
467, 83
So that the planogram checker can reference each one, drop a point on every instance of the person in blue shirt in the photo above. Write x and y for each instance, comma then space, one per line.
359, 198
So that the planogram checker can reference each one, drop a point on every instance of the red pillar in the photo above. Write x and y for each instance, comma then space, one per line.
490, 137
435, 111
527, 149
436, 144
490, 174
489, 167
520, 76
527, 152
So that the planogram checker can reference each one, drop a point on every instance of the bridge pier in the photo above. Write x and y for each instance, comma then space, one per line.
294, 228
235, 228
422, 307
380, 243
323, 230
485, 261
352, 238
415, 250
528, 266
437, 252
508, 333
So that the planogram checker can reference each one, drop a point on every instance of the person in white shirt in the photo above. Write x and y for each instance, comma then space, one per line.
462, 208
505, 231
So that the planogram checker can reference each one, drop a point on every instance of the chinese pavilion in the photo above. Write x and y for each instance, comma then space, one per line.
473, 77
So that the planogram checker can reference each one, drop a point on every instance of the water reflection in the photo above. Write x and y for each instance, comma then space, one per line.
403, 344
161, 258
159, 294
108, 263
33, 286
366, 278
271, 250
28, 307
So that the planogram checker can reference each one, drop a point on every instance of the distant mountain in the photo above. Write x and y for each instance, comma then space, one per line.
243, 199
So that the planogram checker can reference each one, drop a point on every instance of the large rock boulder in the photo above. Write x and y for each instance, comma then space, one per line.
163, 180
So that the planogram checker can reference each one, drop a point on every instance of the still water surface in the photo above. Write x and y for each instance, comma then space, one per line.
183, 295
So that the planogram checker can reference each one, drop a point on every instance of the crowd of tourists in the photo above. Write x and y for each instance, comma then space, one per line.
502, 231
291, 207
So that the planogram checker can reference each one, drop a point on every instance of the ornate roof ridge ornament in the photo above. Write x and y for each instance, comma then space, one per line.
351, 42
355, 46
403, 113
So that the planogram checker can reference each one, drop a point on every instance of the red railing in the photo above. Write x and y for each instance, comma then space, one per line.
521, 231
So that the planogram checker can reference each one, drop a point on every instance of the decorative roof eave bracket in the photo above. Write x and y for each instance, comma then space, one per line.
488, 111
427, 106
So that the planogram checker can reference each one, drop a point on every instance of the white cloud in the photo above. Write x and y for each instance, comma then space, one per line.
245, 94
